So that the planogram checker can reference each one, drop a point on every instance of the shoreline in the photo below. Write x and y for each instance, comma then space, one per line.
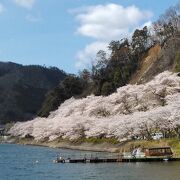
104, 146
66, 144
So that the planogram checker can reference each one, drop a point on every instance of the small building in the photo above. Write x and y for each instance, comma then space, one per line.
158, 151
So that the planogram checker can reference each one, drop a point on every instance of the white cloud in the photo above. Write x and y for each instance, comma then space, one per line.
25, 3
2, 9
87, 55
110, 21
105, 23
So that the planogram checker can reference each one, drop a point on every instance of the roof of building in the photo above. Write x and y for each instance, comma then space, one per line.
159, 148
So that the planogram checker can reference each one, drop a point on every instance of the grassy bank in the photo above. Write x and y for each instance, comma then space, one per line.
102, 144
173, 143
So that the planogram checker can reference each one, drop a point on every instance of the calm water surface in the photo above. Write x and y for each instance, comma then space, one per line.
19, 163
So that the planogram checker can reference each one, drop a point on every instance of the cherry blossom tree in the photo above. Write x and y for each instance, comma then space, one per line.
133, 111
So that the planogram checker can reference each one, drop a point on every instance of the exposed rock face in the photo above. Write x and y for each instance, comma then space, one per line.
134, 110
146, 63
157, 60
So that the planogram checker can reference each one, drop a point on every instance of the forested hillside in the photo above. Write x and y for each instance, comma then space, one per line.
127, 95
134, 111
28, 91
23, 89
150, 51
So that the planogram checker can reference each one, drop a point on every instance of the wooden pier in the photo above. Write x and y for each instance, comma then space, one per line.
96, 160
158, 154
118, 160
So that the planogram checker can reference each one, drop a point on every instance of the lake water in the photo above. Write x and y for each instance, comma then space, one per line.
19, 163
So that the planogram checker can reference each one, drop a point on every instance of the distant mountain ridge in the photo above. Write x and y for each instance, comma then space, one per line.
23, 89
149, 52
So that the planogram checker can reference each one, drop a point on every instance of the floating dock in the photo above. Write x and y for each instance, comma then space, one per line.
157, 154
117, 160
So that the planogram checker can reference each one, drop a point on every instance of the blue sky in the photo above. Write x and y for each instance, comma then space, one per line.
63, 33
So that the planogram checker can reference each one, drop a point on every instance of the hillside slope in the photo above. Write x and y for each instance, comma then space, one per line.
134, 110
156, 60
23, 89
